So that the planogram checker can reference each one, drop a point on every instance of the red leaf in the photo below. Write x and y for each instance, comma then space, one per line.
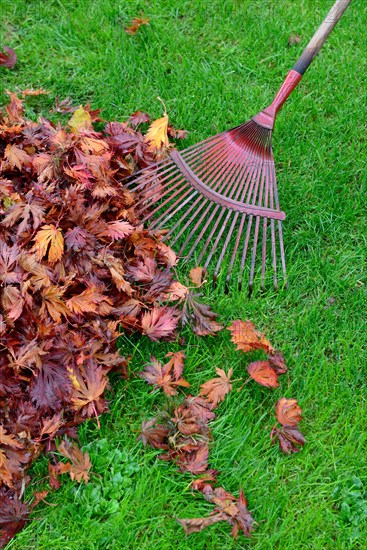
263, 373
8, 58
160, 322
247, 338
288, 412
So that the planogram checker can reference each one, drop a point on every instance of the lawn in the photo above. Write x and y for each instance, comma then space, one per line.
215, 64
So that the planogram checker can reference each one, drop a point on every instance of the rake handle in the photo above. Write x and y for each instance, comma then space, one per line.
320, 36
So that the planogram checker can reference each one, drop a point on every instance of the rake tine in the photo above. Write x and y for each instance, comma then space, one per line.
280, 231
272, 230
265, 227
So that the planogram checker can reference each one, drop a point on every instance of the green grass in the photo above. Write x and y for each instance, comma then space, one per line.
216, 63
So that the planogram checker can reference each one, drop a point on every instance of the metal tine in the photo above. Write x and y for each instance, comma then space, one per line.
142, 173
245, 183
272, 231
203, 216
247, 179
255, 183
168, 211
265, 227
256, 232
215, 187
280, 232
177, 182
151, 188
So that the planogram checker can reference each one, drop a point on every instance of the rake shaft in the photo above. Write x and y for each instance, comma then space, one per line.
226, 187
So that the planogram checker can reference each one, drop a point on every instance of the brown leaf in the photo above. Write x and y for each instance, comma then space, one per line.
197, 275
216, 389
8, 58
277, 361
288, 412
263, 373
289, 438
156, 437
88, 385
195, 462
176, 362
80, 463
293, 40
161, 377
16, 156
195, 525
247, 338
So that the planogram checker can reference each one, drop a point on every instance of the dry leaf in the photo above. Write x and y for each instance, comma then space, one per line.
263, 373
288, 412
247, 338
216, 389
156, 136
49, 241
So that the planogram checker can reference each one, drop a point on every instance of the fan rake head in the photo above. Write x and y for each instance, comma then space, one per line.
219, 199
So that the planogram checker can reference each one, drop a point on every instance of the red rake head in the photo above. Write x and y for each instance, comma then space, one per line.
217, 196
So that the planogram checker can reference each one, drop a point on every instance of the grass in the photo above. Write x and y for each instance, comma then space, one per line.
216, 63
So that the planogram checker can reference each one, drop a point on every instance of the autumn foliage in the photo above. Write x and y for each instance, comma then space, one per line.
76, 266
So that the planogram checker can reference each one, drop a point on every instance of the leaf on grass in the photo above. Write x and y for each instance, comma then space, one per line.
288, 412
216, 389
13, 517
156, 136
161, 377
195, 462
160, 322
155, 435
195, 525
80, 464
136, 23
277, 361
200, 317
290, 439
263, 373
49, 241
176, 362
197, 275
88, 385
138, 118
247, 338
8, 58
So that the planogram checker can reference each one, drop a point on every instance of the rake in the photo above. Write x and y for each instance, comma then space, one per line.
220, 196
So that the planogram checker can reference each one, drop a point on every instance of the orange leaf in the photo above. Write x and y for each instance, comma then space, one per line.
263, 373
80, 463
136, 23
16, 156
288, 412
197, 275
216, 389
247, 338
49, 240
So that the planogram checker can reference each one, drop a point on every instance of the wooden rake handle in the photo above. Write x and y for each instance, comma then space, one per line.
320, 36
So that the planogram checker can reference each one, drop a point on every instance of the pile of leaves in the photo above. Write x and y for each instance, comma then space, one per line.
183, 433
75, 265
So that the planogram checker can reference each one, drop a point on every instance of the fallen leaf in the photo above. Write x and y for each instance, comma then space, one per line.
247, 338
288, 412
80, 462
80, 120
197, 275
49, 241
277, 361
290, 439
8, 58
160, 322
263, 373
216, 389
156, 136
135, 24
195, 525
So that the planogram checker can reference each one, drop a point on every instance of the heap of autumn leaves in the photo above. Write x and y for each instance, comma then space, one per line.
75, 265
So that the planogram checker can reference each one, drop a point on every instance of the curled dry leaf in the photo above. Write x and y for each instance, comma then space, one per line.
290, 439
288, 412
197, 275
135, 24
216, 389
156, 136
277, 361
247, 338
263, 373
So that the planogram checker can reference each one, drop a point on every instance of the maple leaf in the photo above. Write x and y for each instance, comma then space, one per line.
185, 421
289, 438
87, 301
288, 412
138, 118
176, 362
80, 462
80, 120
160, 322
13, 517
49, 241
12, 302
263, 373
52, 300
16, 156
23, 211
247, 338
216, 389
156, 136
199, 316
200, 408
159, 376
88, 385
175, 291
135, 24
8, 58
195, 462
156, 437
118, 229
9, 439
